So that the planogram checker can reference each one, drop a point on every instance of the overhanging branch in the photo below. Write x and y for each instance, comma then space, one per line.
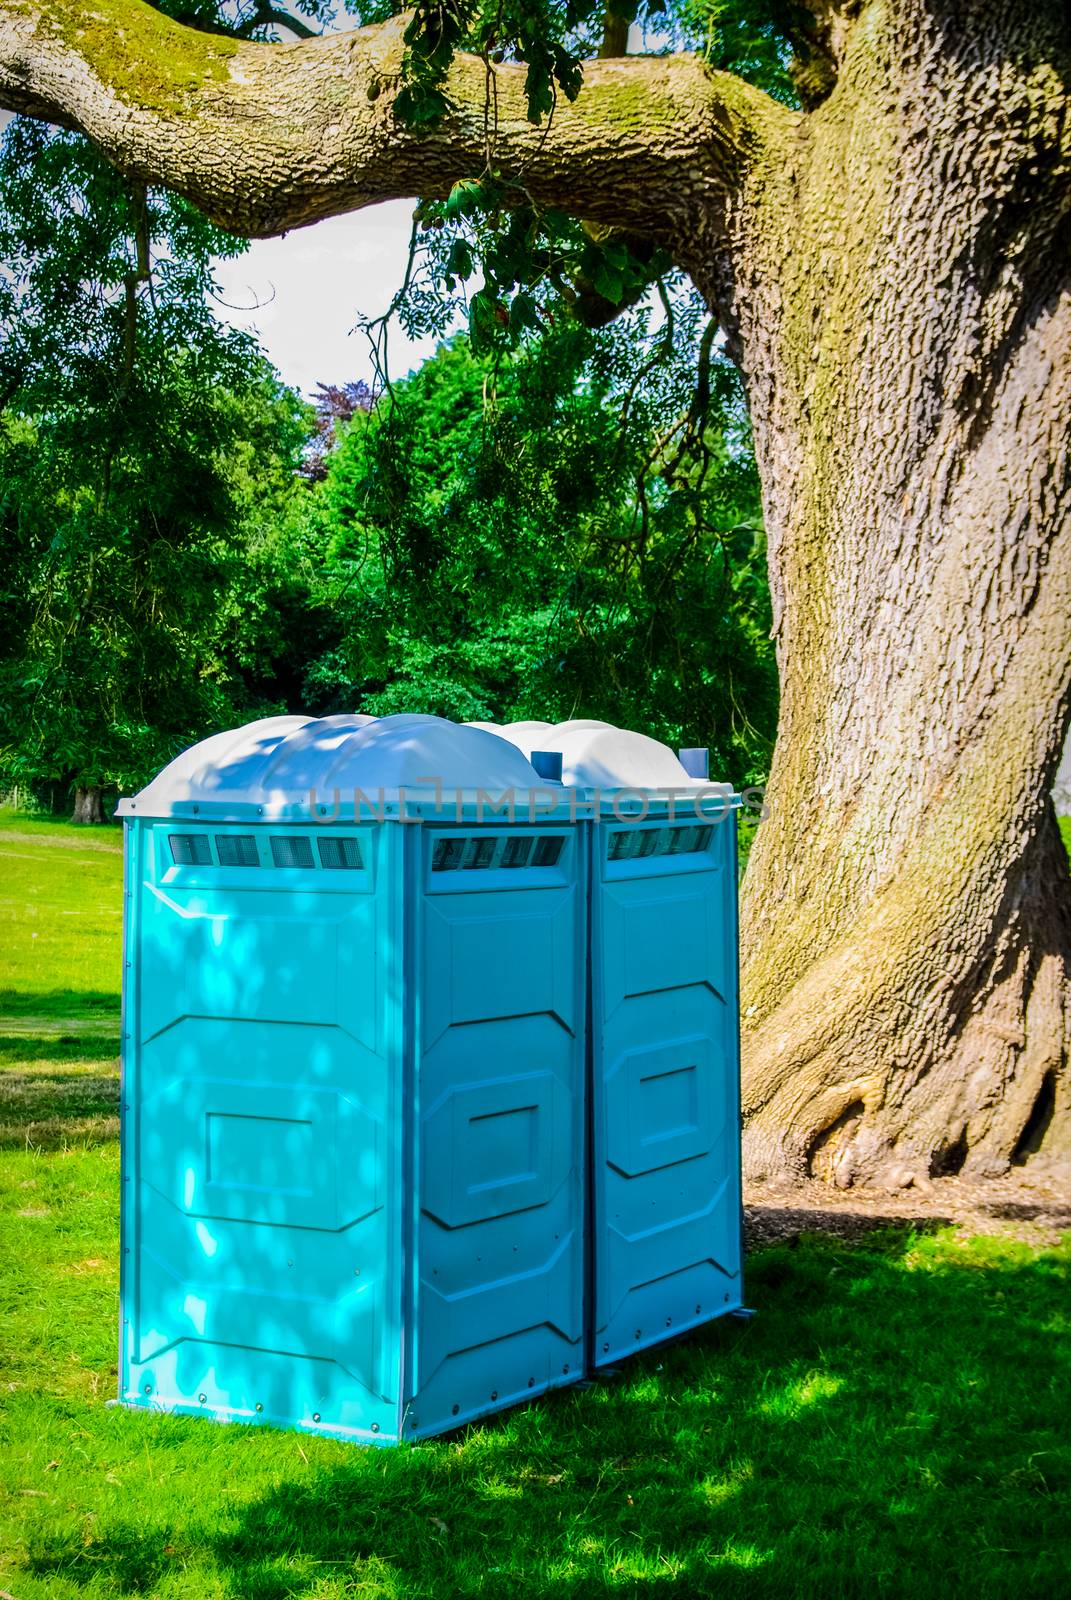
267, 137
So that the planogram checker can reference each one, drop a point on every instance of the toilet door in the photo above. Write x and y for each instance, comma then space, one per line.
665, 1081
498, 1241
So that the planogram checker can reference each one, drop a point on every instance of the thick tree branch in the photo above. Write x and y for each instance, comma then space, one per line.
267, 137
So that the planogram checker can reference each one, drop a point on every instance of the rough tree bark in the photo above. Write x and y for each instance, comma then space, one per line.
893, 270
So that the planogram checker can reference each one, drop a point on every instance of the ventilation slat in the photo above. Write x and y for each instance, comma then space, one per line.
639, 844
447, 855
344, 854
292, 850
480, 853
190, 849
237, 850
517, 851
475, 852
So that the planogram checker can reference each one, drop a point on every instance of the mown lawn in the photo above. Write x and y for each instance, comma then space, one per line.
60, 922
894, 1421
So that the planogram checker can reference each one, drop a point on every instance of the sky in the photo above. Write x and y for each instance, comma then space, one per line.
302, 295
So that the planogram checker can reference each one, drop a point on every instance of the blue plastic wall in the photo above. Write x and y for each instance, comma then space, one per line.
262, 1134
378, 1178
666, 1234
353, 1103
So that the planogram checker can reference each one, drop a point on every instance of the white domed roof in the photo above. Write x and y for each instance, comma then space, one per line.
272, 767
275, 766
604, 757
419, 751
596, 755
525, 735
575, 723
223, 752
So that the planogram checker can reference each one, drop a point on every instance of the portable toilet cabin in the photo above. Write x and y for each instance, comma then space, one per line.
353, 1079
666, 1207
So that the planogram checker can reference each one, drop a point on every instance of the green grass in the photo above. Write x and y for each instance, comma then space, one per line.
894, 1421
60, 916
1065, 833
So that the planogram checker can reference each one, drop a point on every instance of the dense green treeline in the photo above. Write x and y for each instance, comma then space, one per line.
547, 528
488, 555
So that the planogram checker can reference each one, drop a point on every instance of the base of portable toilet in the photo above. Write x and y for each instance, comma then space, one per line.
353, 1085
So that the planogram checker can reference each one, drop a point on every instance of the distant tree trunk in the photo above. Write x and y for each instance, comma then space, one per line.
901, 305
88, 803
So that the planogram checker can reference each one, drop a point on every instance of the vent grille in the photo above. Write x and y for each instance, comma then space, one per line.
457, 853
340, 853
547, 851
517, 851
480, 853
190, 849
291, 850
637, 844
237, 850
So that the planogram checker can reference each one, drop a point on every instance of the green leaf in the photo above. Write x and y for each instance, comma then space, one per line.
609, 281
464, 198
523, 313
459, 261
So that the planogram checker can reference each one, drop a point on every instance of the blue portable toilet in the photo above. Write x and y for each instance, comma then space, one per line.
353, 1079
666, 1205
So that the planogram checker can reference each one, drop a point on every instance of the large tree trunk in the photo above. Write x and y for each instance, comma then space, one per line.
892, 269
900, 301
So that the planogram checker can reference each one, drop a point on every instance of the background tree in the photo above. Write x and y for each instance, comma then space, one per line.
335, 404
146, 456
889, 262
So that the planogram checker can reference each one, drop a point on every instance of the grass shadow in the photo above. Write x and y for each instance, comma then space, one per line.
58, 1091
62, 1054
131, 1559
54, 1008
894, 1421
